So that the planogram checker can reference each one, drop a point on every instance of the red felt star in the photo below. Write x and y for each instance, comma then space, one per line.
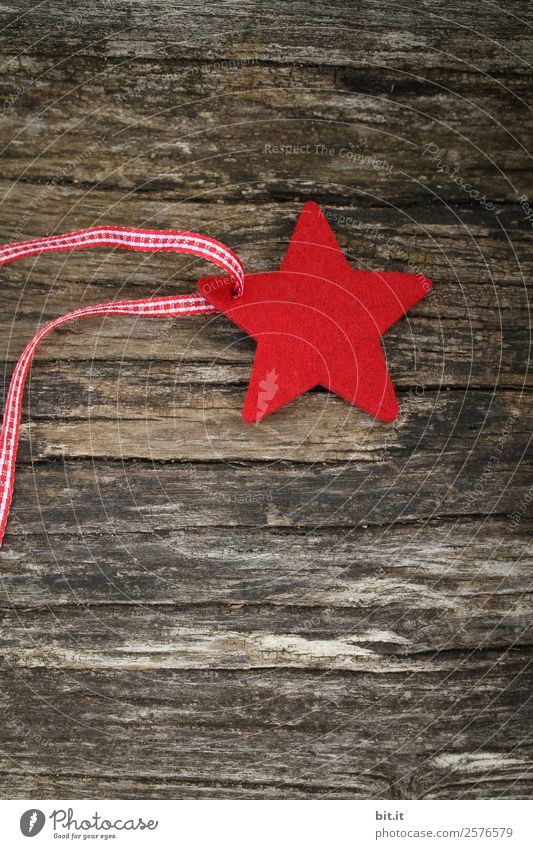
318, 322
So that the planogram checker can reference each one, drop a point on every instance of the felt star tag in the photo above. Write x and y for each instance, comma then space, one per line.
318, 322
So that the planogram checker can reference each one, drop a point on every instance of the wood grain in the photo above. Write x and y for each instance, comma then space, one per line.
273, 733
322, 606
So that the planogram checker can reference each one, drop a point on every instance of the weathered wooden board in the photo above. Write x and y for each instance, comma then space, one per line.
473, 330
144, 415
95, 496
372, 619
272, 733
462, 566
322, 606
336, 141
374, 34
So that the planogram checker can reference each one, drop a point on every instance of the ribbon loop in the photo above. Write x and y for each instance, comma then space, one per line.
121, 237
134, 239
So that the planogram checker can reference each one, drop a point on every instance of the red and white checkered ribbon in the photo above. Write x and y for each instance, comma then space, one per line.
169, 307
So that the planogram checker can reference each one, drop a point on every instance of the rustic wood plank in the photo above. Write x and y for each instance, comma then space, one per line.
143, 418
397, 595
393, 36
471, 248
261, 636
214, 123
64, 497
291, 147
472, 330
273, 733
466, 565
276, 136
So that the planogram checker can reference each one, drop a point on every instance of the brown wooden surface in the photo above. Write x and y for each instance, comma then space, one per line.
320, 606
